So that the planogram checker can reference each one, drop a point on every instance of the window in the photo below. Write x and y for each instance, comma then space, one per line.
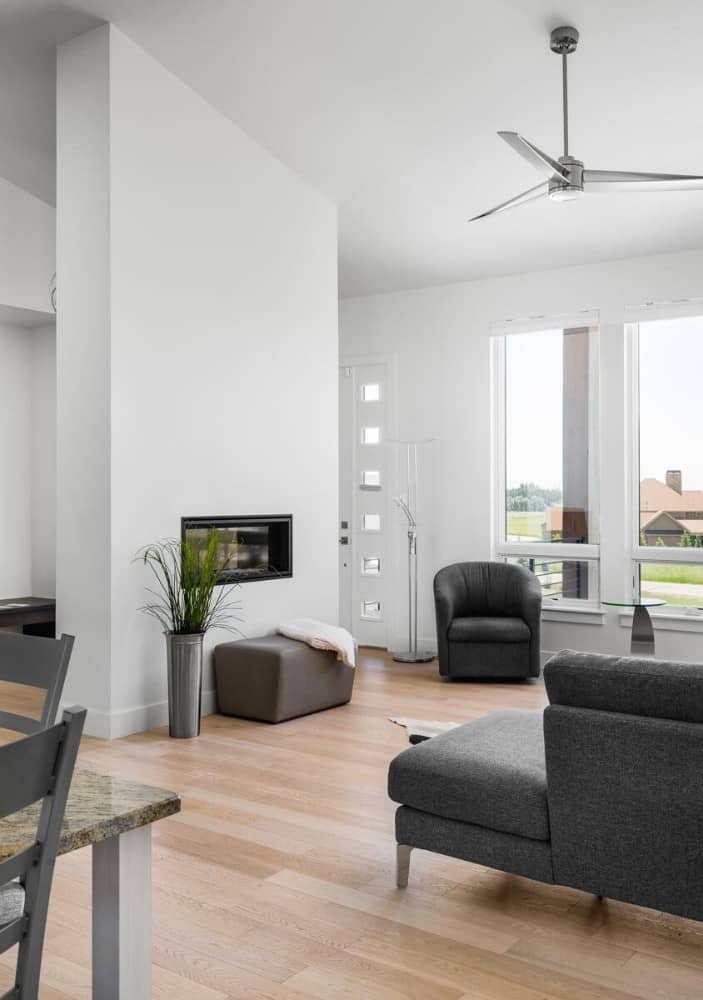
371, 522
371, 393
667, 481
371, 565
370, 435
546, 485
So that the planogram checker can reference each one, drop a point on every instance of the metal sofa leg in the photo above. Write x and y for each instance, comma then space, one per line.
402, 866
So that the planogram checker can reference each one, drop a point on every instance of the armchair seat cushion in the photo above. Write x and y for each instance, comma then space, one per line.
490, 772
479, 629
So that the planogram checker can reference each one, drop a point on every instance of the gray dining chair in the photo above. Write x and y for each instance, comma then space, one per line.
35, 769
36, 662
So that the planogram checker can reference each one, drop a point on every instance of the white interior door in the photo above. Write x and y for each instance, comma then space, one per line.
364, 501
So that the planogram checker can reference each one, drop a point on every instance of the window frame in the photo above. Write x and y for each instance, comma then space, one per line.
501, 549
639, 553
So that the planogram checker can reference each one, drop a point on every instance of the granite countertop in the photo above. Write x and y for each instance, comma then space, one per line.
98, 807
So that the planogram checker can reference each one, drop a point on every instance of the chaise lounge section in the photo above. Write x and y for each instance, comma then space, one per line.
601, 792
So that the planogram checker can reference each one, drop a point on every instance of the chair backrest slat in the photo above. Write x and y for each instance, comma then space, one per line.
27, 769
38, 662
20, 723
19, 863
12, 933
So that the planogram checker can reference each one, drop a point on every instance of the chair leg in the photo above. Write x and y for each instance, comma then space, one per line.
402, 866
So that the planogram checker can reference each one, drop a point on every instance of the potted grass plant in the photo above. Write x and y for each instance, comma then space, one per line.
188, 600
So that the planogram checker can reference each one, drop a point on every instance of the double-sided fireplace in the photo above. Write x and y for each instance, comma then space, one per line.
258, 547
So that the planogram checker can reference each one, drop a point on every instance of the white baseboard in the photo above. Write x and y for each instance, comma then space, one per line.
114, 725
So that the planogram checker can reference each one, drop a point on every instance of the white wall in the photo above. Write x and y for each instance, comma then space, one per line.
16, 475
28, 479
27, 249
43, 460
218, 327
441, 339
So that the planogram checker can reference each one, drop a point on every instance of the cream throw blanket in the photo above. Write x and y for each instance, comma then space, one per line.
321, 636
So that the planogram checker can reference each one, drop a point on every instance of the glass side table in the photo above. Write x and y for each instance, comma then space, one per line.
642, 641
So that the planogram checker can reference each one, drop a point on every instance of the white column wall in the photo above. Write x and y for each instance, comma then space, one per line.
211, 332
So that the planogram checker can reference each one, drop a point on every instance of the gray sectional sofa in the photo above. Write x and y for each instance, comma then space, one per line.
603, 791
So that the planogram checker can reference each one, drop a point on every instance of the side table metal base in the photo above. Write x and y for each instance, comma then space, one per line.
642, 643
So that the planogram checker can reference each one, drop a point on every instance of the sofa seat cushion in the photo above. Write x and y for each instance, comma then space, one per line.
489, 630
490, 772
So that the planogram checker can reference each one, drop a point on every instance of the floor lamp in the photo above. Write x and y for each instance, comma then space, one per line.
409, 508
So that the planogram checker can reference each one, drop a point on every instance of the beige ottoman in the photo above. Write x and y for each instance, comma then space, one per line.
274, 678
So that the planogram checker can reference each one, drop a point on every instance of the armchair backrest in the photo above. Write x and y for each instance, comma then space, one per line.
624, 756
492, 589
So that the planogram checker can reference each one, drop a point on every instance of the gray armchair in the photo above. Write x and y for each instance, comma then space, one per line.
601, 792
488, 620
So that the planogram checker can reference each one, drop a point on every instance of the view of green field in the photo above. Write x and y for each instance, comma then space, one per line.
676, 584
525, 524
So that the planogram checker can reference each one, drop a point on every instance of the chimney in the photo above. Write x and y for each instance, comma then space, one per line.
673, 480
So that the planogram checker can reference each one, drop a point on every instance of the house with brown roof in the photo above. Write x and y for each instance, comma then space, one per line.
668, 512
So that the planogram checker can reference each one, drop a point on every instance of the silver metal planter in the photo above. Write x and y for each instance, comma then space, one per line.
185, 682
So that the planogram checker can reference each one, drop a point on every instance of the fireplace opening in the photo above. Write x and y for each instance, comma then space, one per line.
258, 547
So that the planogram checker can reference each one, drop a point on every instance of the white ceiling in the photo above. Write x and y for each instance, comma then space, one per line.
391, 108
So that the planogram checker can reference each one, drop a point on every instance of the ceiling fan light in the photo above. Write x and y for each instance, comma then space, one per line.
565, 193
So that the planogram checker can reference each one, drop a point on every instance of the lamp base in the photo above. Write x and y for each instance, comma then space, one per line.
407, 656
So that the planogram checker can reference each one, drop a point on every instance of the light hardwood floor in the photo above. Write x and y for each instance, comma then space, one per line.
276, 881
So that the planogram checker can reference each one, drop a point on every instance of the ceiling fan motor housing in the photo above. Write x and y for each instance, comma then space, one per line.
572, 185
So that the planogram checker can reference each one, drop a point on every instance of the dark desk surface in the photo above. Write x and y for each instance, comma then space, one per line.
28, 611
16, 604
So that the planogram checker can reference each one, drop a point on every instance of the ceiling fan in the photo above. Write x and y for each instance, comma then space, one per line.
566, 178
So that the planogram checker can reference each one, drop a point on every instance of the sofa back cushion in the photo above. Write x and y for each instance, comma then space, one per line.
662, 689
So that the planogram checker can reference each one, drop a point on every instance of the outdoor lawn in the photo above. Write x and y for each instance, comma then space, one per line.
525, 524
681, 585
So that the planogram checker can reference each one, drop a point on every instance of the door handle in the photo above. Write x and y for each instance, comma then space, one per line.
344, 540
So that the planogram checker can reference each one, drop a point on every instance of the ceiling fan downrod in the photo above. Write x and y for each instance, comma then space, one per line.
563, 41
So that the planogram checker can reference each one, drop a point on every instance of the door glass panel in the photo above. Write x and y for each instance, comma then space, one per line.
371, 610
371, 522
371, 565
370, 435
371, 393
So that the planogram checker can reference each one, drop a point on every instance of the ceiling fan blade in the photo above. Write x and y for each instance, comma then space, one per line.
534, 156
625, 180
538, 191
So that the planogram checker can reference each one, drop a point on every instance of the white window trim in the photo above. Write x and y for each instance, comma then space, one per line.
500, 547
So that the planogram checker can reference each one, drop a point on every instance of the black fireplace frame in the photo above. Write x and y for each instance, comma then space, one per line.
284, 552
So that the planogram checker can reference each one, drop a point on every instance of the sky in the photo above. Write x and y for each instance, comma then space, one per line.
671, 425
533, 408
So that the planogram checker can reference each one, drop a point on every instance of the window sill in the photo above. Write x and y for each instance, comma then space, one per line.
667, 621
570, 614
